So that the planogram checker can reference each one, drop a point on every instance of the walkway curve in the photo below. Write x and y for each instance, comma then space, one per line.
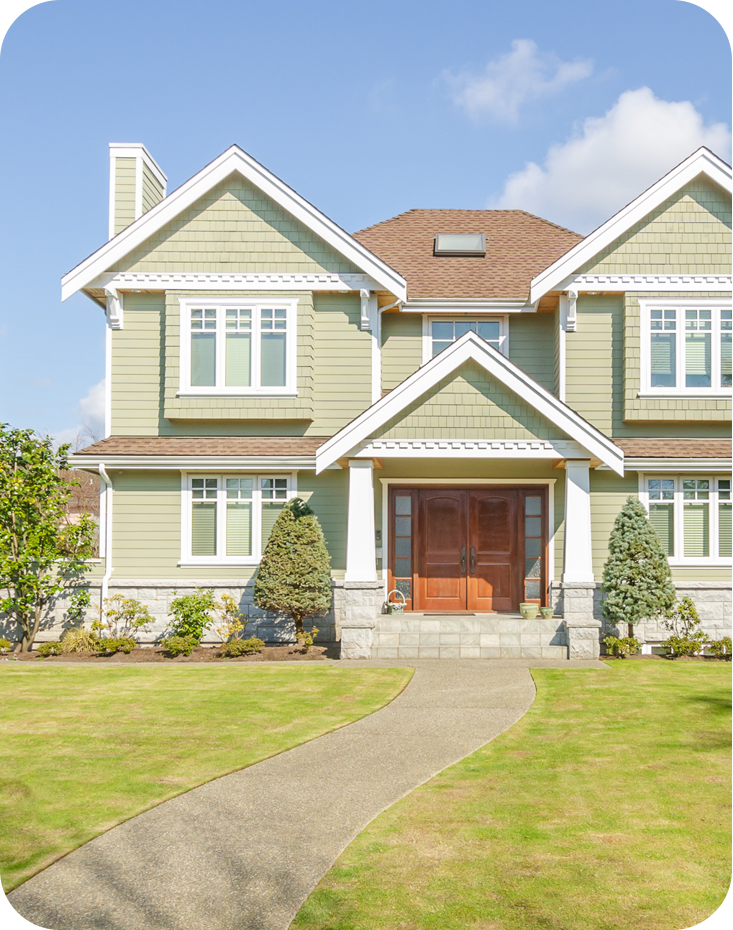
243, 852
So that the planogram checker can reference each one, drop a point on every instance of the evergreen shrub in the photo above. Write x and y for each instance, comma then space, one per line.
636, 577
45, 650
242, 647
179, 645
686, 638
620, 647
294, 576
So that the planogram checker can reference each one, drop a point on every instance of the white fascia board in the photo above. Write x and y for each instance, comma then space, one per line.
233, 160
138, 150
687, 465
430, 305
703, 161
195, 463
470, 347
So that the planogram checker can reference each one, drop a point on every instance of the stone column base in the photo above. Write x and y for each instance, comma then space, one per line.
584, 641
357, 604
356, 641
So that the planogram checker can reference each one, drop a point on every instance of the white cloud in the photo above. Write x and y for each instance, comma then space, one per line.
512, 79
614, 158
90, 419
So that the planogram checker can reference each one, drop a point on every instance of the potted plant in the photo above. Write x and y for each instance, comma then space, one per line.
529, 611
547, 613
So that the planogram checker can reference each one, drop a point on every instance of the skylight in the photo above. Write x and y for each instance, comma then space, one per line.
460, 244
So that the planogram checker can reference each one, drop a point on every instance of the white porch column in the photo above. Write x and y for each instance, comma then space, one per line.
578, 558
361, 556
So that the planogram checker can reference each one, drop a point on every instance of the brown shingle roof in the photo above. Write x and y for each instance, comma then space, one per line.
518, 246
240, 446
676, 448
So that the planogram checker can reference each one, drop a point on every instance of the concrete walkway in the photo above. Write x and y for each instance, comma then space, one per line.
246, 850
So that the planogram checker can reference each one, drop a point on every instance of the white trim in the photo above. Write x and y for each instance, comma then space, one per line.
703, 161
114, 307
234, 159
190, 561
649, 282
677, 465
108, 380
470, 346
442, 306
376, 339
198, 462
714, 392
108, 496
112, 194
289, 389
450, 482
245, 281
429, 318
138, 187
468, 448
562, 322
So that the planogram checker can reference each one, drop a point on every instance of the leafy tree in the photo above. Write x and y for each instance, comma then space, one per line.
636, 578
294, 576
42, 552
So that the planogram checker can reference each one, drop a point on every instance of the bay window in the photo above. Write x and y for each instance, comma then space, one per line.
692, 517
686, 347
238, 347
229, 518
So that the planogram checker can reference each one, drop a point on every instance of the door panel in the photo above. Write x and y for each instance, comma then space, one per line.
493, 582
442, 538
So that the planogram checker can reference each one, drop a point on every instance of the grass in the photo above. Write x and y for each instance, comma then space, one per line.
82, 749
606, 807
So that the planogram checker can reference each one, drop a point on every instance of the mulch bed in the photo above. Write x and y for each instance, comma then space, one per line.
146, 655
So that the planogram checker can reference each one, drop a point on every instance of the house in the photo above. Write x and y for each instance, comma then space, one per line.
465, 397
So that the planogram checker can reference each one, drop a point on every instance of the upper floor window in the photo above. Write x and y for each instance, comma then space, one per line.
230, 347
230, 517
692, 517
686, 348
444, 332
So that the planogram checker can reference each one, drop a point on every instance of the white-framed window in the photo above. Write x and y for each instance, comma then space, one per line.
692, 517
228, 518
441, 331
238, 347
686, 348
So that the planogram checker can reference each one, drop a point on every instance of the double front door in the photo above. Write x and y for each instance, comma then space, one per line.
472, 549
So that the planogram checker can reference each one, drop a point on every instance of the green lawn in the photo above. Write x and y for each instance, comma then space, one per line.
607, 806
82, 749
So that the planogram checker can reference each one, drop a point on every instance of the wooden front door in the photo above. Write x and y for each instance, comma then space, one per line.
468, 549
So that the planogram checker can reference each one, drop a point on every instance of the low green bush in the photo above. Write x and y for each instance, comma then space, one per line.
192, 614
179, 645
721, 648
686, 638
79, 640
110, 645
45, 650
242, 647
622, 646
5, 644
306, 639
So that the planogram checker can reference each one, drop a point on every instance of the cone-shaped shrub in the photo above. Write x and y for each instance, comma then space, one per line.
636, 577
294, 575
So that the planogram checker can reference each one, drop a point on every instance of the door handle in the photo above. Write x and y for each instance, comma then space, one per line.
463, 559
473, 560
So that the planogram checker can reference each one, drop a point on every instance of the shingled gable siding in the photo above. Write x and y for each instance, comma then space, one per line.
152, 189
124, 193
153, 500
690, 233
469, 404
401, 347
532, 346
671, 410
238, 408
593, 373
235, 228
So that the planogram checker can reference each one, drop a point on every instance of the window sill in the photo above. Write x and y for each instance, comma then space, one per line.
221, 562
287, 392
685, 395
700, 563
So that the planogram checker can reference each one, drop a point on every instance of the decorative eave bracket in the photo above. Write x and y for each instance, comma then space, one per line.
114, 307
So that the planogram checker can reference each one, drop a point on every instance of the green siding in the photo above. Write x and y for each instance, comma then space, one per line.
343, 363
124, 193
690, 233
152, 189
532, 346
235, 228
469, 404
608, 493
593, 373
328, 495
137, 367
401, 347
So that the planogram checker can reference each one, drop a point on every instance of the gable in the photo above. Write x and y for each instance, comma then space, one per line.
470, 404
668, 240
235, 227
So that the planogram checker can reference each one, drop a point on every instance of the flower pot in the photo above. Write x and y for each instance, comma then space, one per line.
528, 611
547, 613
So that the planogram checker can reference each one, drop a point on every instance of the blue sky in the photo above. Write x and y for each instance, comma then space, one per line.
568, 109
